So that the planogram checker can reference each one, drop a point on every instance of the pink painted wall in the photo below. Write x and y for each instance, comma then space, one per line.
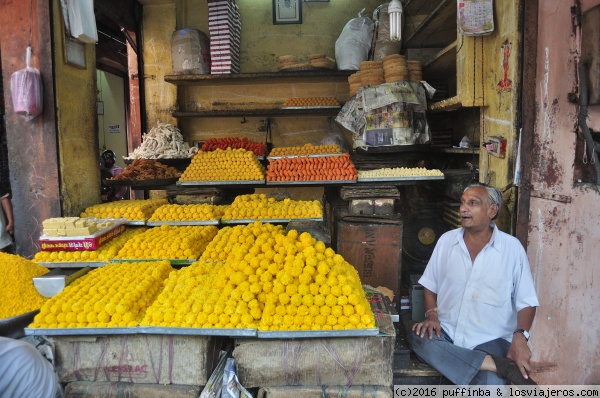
564, 238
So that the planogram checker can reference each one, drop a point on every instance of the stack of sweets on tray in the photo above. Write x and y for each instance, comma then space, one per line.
70, 226
224, 27
321, 61
395, 68
371, 73
415, 74
355, 83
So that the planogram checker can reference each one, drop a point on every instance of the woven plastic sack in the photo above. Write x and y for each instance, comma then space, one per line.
354, 43
82, 20
26, 90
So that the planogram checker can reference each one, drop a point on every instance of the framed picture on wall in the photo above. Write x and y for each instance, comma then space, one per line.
287, 12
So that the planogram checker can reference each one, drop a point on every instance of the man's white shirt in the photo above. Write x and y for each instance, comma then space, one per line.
478, 301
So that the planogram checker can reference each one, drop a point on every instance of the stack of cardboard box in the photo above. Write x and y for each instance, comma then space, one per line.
225, 29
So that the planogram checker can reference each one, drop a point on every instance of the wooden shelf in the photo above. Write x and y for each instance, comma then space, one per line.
449, 104
457, 151
438, 29
260, 112
272, 77
443, 65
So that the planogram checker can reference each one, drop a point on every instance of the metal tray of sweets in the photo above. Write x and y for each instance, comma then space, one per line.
231, 332
310, 155
73, 264
221, 182
400, 179
312, 182
173, 261
135, 222
79, 331
304, 334
267, 220
141, 184
182, 223
14, 326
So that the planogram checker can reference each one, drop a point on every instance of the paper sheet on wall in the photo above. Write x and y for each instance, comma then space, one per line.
475, 17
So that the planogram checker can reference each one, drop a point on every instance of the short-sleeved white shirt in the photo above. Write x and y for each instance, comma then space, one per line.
5, 238
478, 301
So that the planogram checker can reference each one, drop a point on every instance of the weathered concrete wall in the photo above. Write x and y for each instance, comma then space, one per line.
262, 42
160, 97
77, 124
564, 238
31, 145
52, 158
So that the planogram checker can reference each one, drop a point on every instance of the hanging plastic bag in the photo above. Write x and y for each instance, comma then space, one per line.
383, 45
354, 43
26, 90
82, 20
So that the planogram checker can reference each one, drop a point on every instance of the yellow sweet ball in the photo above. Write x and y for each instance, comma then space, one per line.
133, 210
169, 242
193, 212
115, 295
224, 165
254, 276
17, 293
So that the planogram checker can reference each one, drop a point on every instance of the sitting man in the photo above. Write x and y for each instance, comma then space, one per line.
24, 372
479, 298
111, 169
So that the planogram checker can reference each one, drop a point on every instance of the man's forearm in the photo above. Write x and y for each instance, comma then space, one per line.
525, 318
8, 210
430, 301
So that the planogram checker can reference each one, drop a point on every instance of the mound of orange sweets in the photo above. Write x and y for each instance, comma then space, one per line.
325, 168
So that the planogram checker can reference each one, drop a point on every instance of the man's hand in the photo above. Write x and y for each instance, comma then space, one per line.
10, 228
430, 325
520, 353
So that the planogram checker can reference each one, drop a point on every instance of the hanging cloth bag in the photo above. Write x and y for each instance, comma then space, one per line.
354, 43
26, 90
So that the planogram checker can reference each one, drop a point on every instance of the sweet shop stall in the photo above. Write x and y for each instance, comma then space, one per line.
281, 210
166, 298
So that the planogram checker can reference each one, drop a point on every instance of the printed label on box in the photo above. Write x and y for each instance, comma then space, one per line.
91, 243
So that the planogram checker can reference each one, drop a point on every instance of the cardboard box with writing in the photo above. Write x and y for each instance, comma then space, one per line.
151, 359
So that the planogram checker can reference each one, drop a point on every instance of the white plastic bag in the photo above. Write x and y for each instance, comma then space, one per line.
82, 20
383, 45
354, 43
231, 385
26, 90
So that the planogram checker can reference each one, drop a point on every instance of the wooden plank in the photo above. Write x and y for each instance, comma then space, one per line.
414, 8
438, 29
259, 112
442, 66
271, 77
449, 104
